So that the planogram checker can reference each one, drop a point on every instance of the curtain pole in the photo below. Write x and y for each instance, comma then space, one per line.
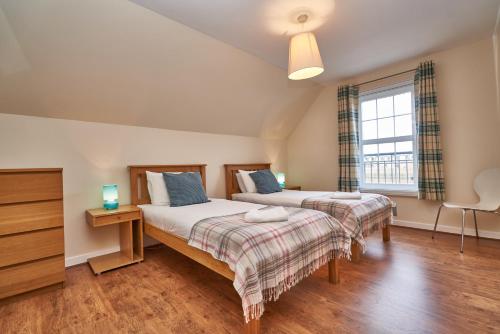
386, 77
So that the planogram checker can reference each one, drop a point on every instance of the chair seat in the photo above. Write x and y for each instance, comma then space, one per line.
470, 206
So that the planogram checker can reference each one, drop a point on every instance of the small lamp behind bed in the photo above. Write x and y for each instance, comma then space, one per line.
281, 179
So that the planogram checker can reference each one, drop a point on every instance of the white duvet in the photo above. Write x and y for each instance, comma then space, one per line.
291, 198
180, 220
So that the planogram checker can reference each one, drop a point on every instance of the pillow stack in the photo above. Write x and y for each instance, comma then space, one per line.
176, 189
185, 189
262, 181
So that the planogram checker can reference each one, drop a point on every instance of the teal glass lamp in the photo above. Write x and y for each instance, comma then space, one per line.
281, 179
110, 196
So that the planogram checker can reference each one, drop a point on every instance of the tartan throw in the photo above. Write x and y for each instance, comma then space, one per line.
430, 159
347, 97
359, 217
270, 258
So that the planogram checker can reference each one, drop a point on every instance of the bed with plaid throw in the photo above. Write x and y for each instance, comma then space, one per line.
359, 217
270, 258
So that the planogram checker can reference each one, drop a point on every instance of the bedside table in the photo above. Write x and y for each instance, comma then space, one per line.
293, 187
129, 218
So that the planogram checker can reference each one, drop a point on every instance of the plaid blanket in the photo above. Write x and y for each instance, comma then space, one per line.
359, 217
270, 258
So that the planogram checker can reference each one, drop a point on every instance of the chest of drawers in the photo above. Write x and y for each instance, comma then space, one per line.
31, 229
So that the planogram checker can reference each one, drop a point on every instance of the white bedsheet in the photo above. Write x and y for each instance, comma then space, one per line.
291, 198
180, 220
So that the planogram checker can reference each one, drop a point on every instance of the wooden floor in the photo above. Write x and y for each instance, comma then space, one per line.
411, 285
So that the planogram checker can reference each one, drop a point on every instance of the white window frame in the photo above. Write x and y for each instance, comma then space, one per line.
389, 189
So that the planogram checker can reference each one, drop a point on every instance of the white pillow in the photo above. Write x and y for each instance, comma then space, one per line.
241, 183
247, 180
157, 189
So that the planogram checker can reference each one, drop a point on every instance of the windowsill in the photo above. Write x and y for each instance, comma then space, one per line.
391, 192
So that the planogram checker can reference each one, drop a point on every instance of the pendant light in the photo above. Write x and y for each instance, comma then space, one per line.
304, 59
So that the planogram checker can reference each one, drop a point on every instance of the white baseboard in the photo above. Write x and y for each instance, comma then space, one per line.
447, 229
74, 260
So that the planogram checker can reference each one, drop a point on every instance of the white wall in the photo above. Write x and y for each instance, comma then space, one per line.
313, 146
470, 133
93, 154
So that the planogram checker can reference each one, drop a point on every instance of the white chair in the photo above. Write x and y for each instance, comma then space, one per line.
487, 186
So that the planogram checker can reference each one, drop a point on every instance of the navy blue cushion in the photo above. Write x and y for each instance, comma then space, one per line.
265, 181
185, 189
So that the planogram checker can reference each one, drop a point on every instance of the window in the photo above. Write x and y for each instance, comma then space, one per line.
388, 139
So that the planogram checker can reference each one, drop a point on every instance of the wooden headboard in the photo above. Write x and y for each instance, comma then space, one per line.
232, 186
139, 185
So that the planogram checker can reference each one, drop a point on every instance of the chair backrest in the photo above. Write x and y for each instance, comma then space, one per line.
487, 186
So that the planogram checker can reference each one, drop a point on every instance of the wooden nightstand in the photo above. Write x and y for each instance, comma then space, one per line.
293, 188
129, 217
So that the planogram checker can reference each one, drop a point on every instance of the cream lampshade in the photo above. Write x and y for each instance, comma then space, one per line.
304, 60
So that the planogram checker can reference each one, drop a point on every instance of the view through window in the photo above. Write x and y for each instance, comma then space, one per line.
388, 139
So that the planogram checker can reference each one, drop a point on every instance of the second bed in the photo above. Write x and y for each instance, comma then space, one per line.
360, 217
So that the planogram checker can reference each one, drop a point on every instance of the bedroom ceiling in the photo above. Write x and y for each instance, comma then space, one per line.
120, 62
354, 36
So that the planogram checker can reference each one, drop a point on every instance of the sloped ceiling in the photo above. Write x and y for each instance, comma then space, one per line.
354, 36
114, 61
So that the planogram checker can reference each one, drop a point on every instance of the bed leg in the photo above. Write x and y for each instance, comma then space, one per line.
355, 251
333, 271
386, 233
252, 327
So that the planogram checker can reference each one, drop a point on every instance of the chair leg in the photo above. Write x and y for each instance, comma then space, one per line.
437, 218
463, 228
475, 223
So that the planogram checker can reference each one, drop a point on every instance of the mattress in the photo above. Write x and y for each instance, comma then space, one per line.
180, 220
291, 198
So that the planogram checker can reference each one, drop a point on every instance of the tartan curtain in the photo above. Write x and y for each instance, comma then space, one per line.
430, 159
347, 97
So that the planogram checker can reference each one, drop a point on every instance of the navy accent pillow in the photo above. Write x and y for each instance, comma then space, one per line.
265, 182
185, 189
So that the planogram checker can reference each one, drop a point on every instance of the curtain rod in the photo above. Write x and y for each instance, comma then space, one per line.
386, 77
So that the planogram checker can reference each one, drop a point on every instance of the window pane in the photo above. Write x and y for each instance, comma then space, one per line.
386, 168
386, 127
402, 104
371, 169
386, 148
404, 169
370, 149
404, 126
384, 107
369, 130
369, 110
404, 146
387, 163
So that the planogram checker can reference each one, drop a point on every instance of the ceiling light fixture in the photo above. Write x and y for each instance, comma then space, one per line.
304, 59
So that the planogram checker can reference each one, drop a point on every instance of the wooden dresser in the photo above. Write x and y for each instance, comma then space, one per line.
31, 229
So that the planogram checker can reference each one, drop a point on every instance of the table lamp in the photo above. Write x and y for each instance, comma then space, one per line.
110, 196
281, 179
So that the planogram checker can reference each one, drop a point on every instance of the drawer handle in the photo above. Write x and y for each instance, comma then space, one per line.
119, 217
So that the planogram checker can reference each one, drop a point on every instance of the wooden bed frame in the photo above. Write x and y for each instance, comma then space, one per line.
139, 195
232, 187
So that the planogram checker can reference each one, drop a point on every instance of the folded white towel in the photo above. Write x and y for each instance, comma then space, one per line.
345, 195
274, 214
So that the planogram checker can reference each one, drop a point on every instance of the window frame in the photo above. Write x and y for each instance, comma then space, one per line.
374, 94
